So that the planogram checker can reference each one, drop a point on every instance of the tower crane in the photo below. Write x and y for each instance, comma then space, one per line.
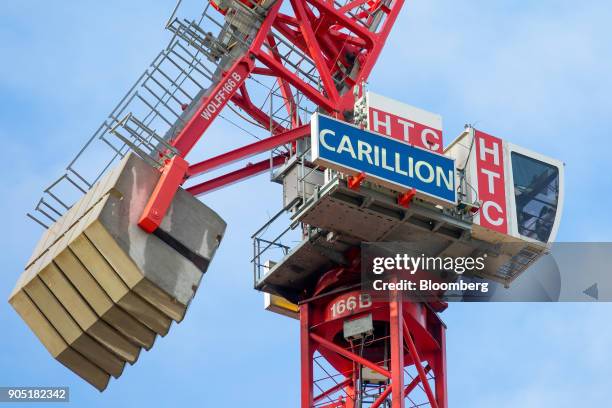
126, 242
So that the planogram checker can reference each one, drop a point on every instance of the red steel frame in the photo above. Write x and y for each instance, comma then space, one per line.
327, 34
416, 336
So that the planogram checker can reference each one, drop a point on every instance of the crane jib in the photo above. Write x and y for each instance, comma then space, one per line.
222, 96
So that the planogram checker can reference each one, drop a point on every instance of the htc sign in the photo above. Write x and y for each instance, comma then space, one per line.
491, 182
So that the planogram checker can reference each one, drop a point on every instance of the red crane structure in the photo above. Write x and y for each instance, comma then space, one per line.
274, 63
319, 49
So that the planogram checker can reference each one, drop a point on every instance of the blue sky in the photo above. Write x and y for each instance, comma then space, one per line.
535, 73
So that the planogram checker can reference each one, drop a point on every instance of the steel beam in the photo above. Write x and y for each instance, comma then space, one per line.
247, 151
236, 176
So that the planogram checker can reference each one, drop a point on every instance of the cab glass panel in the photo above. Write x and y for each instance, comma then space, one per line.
536, 193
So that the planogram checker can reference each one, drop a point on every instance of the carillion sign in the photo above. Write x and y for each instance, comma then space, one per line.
390, 162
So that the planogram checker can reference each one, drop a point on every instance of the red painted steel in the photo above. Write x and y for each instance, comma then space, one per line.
491, 182
343, 51
306, 355
396, 322
221, 94
415, 335
406, 198
382, 397
417, 362
328, 34
354, 182
246, 172
333, 389
347, 354
173, 175
415, 381
243, 101
249, 150
439, 364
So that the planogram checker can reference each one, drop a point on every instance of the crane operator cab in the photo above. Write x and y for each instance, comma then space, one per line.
511, 196
518, 192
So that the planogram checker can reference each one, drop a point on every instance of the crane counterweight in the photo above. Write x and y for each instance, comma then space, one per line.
104, 287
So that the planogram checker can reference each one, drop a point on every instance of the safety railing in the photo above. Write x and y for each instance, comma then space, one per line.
165, 96
159, 103
268, 241
270, 249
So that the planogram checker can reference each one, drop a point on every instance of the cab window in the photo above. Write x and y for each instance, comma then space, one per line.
536, 193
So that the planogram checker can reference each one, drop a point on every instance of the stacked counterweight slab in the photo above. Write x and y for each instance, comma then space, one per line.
98, 288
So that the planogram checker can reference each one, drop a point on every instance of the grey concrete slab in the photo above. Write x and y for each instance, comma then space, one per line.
70, 331
85, 316
98, 287
55, 344
136, 332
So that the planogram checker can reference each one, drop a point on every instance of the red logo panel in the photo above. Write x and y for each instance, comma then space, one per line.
405, 129
491, 182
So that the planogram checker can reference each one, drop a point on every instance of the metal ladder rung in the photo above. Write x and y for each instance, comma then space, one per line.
49, 206
144, 155
40, 210
153, 109
178, 87
170, 94
70, 169
205, 42
39, 222
154, 135
183, 70
136, 139
112, 146
71, 181
301, 57
129, 96
208, 74
184, 67
161, 99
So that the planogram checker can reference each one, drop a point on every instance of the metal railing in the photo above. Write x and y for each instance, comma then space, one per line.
269, 246
157, 106
165, 96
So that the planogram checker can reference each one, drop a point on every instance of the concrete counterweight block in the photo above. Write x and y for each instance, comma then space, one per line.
98, 288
